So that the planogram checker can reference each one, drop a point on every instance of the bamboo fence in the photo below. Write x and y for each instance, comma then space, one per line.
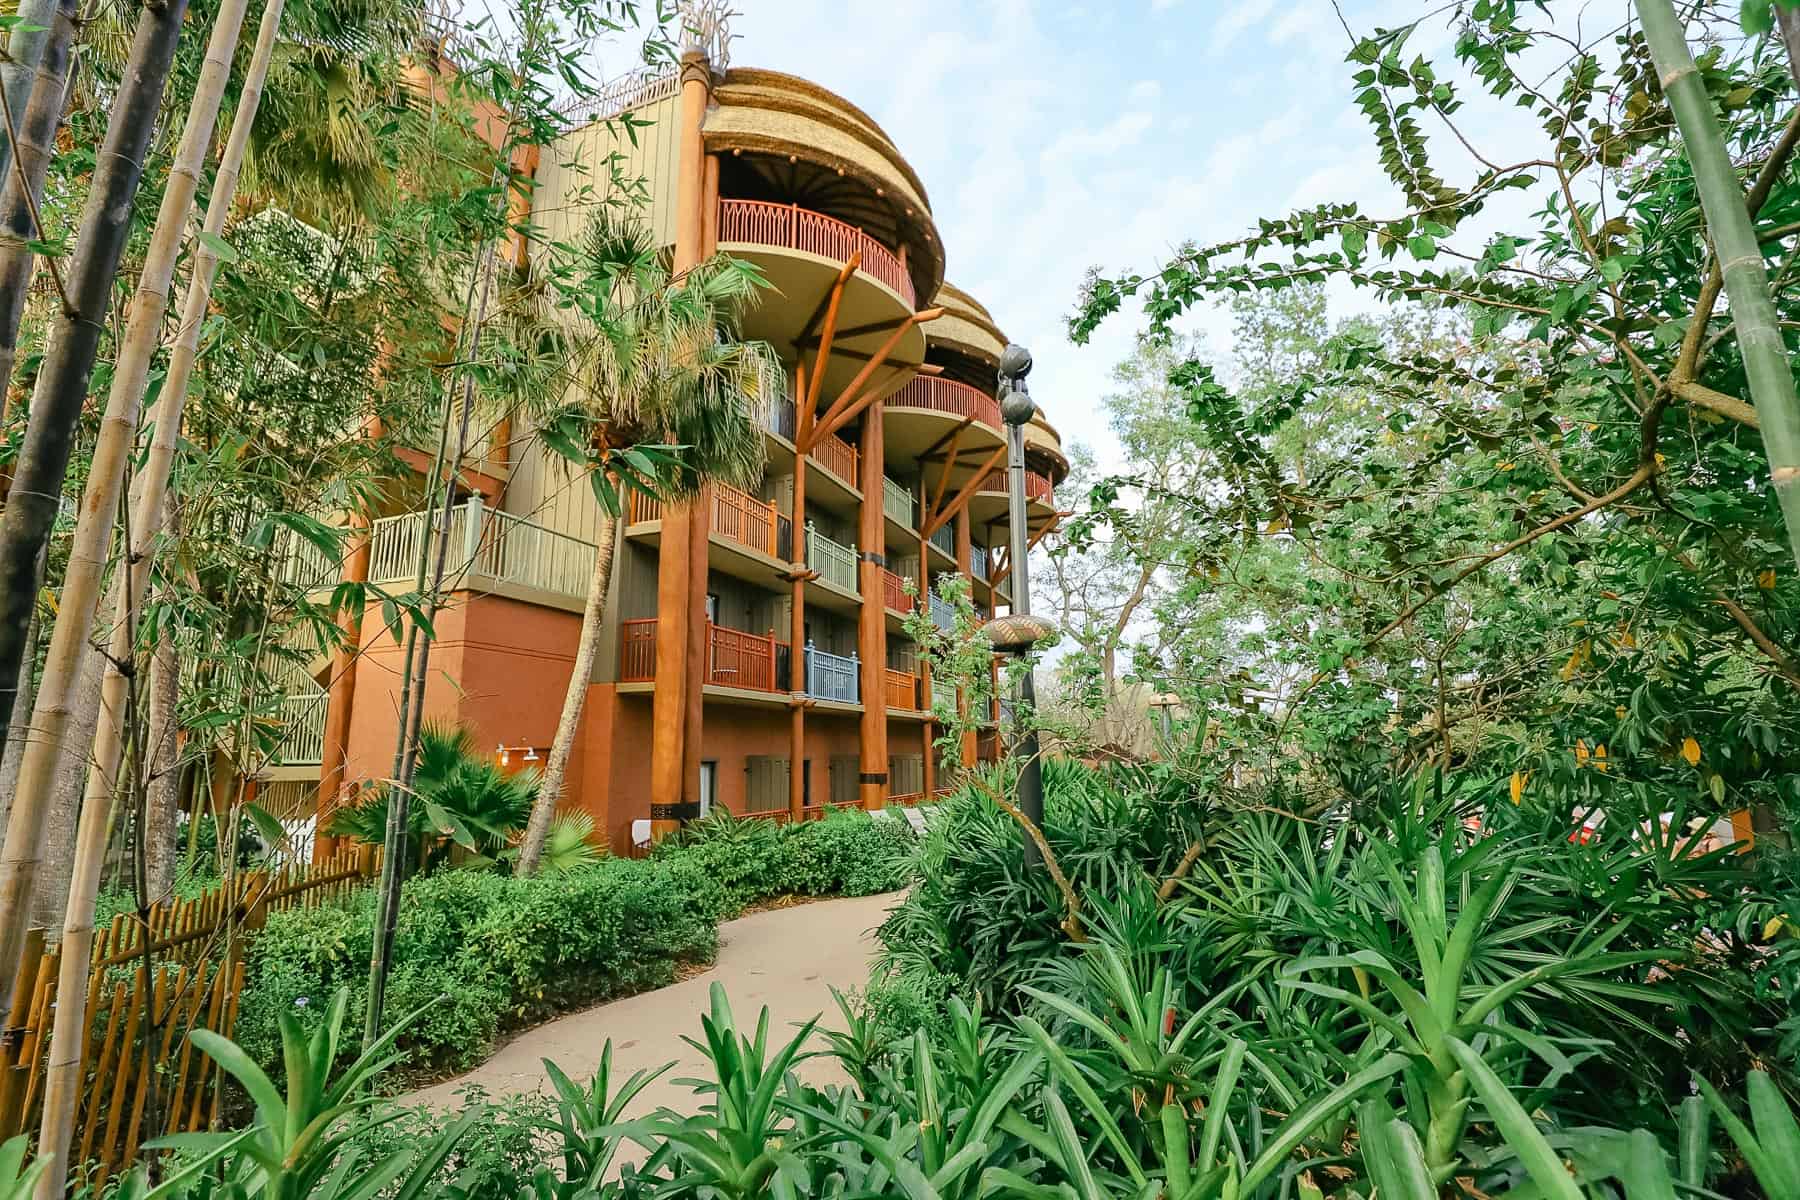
153, 982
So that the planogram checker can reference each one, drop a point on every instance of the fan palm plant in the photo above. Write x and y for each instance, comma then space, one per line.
462, 794
667, 398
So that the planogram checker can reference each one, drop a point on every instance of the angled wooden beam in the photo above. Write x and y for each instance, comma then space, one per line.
961, 500
1052, 523
882, 326
803, 420
809, 396
849, 394
937, 497
867, 398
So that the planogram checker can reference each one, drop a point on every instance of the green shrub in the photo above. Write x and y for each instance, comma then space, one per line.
846, 853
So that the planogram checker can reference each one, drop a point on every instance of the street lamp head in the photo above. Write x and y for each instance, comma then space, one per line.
1015, 362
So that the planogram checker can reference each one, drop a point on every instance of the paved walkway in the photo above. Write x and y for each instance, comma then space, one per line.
788, 959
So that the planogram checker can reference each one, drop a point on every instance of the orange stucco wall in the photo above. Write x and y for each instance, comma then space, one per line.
498, 666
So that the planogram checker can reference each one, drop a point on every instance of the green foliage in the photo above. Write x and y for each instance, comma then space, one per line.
844, 853
461, 797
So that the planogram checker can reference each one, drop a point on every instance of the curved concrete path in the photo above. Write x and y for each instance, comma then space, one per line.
786, 958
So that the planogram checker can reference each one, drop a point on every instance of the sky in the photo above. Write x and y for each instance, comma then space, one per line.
1058, 135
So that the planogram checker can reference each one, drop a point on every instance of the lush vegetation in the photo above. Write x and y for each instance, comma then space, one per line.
484, 951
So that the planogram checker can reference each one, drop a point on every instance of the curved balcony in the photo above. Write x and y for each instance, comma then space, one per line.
989, 501
930, 410
1037, 487
763, 223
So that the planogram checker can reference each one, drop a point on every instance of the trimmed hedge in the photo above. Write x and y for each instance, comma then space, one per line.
488, 952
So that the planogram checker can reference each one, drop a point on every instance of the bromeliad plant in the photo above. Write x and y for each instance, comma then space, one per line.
1451, 1004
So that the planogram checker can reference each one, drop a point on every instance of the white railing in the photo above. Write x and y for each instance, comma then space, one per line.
302, 729
303, 564
487, 547
897, 502
835, 564
832, 676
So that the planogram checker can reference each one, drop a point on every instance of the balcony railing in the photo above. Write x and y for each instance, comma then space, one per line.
734, 658
837, 456
897, 502
736, 516
944, 538
943, 613
780, 417
762, 223
893, 592
832, 676
835, 564
978, 561
304, 564
1037, 487
947, 396
486, 547
943, 695
302, 729
902, 689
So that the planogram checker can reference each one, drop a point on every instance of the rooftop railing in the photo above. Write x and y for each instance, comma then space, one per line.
947, 396
763, 223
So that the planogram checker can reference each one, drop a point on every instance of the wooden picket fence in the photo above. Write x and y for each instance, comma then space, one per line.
151, 984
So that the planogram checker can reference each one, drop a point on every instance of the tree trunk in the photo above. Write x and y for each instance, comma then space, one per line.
74, 342
19, 720
63, 1074
51, 891
556, 767
34, 118
164, 777
1766, 365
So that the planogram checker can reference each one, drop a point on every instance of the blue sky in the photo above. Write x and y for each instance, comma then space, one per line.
1055, 135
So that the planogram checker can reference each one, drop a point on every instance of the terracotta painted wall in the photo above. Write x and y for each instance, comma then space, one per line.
498, 666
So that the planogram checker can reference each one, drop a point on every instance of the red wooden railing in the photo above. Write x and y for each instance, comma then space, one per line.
893, 592
734, 659
947, 396
762, 223
739, 516
837, 456
637, 651
902, 689
741, 660
907, 798
1037, 487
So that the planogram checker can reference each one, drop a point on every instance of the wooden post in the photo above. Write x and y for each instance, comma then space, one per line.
340, 703
669, 703
964, 557
797, 629
871, 640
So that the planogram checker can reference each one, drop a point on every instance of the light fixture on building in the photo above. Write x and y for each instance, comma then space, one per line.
504, 753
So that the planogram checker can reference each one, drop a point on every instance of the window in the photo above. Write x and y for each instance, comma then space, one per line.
709, 785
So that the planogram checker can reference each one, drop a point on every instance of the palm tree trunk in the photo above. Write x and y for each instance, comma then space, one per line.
1766, 365
62, 386
63, 1075
556, 767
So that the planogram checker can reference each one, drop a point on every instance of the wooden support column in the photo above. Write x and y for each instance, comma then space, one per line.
340, 701
965, 554
797, 632
668, 739
871, 630
699, 652
929, 728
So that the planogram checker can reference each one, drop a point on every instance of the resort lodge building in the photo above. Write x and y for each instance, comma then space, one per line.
754, 653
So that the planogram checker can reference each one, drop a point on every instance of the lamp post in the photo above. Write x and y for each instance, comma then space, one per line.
1016, 633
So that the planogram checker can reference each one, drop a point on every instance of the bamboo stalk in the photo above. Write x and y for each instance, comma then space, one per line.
87, 557
25, 49
73, 346
1766, 365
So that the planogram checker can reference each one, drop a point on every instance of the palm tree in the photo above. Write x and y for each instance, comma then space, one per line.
658, 363
459, 792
